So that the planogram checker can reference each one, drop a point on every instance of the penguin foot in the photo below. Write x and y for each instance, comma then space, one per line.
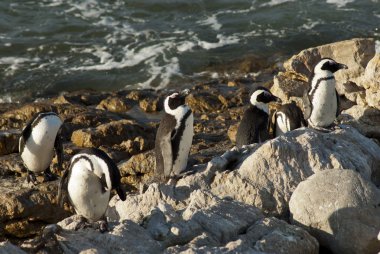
31, 178
82, 224
103, 226
49, 176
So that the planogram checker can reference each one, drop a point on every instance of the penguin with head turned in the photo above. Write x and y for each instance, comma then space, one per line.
88, 183
285, 118
321, 104
174, 137
253, 127
39, 139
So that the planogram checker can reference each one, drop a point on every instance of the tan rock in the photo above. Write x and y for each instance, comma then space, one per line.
355, 53
24, 211
341, 209
232, 130
116, 104
113, 133
9, 141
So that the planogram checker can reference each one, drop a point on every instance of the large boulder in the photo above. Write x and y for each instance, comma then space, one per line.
197, 223
341, 209
365, 119
270, 174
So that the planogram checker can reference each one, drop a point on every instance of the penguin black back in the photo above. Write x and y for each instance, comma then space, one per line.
253, 127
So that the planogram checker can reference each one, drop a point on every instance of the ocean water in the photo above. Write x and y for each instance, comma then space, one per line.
49, 46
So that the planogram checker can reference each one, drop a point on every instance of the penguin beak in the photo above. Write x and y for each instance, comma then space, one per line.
342, 66
185, 92
276, 99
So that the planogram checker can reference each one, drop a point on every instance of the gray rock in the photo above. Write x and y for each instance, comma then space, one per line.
267, 178
365, 119
341, 209
125, 237
7, 248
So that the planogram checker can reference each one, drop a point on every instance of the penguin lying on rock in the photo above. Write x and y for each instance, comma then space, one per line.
174, 137
321, 103
88, 182
39, 139
253, 127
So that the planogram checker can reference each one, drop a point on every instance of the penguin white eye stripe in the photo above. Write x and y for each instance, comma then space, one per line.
173, 95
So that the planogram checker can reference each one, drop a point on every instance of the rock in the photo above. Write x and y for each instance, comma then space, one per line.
126, 237
24, 211
9, 141
116, 104
271, 235
86, 98
11, 164
371, 82
6, 248
114, 135
204, 102
151, 104
365, 119
232, 132
289, 86
138, 169
354, 53
341, 209
268, 177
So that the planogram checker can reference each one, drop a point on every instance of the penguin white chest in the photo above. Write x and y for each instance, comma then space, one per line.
86, 193
324, 103
282, 124
180, 163
39, 147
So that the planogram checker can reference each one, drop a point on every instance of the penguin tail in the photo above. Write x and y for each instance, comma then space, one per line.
121, 193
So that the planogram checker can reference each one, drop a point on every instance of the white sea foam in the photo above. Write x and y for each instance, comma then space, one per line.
339, 3
222, 41
377, 46
185, 46
276, 2
211, 21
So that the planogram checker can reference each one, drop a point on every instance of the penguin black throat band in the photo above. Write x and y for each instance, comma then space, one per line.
318, 83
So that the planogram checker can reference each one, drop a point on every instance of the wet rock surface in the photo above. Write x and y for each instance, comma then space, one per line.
236, 200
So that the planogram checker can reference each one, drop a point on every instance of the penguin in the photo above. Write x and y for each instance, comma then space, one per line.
38, 141
174, 137
285, 118
88, 183
321, 103
253, 127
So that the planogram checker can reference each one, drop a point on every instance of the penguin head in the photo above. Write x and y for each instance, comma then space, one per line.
261, 97
175, 100
328, 65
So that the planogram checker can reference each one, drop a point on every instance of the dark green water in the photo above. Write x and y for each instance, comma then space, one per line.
49, 46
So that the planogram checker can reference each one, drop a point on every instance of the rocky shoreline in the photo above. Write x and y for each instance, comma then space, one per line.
304, 192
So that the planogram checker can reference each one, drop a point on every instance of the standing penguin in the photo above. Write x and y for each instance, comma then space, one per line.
37, 143
287, 117
253, 128
174, 137
88, 182
321, 105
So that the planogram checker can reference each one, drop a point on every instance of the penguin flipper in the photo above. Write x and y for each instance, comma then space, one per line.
307, 107
337, 103
167, 154
62, 187
59, 150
